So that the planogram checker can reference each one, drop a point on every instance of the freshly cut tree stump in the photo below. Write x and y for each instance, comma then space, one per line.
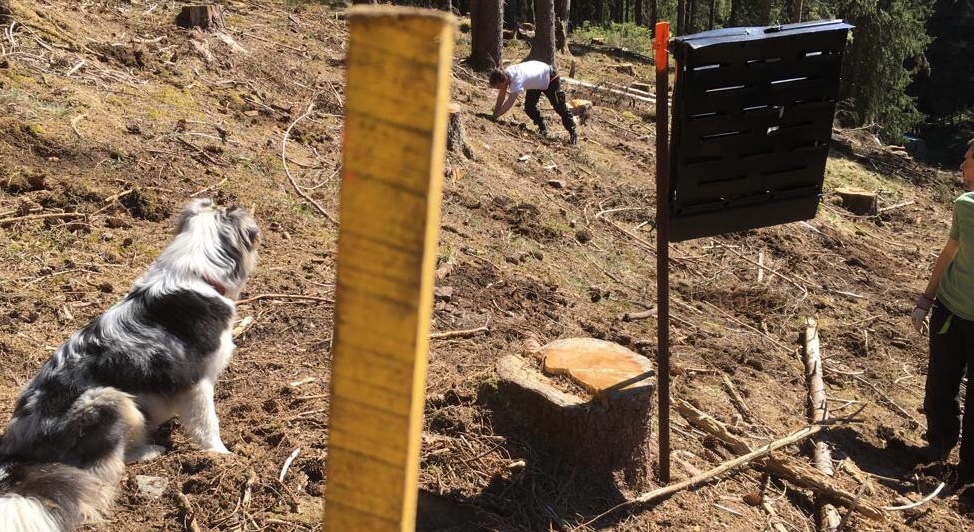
857, 201
205, 17
602, 431
580, 108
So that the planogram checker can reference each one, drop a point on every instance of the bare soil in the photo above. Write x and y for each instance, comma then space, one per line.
111, 118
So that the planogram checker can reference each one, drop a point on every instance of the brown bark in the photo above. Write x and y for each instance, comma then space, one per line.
562, 21
605, 438
486, 25
204, 17
543, 47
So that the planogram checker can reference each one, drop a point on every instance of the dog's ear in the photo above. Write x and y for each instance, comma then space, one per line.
191, 209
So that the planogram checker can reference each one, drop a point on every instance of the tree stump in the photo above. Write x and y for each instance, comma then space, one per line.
602, 432
580, 108
454, 132
204, 17
857, 200
640, 86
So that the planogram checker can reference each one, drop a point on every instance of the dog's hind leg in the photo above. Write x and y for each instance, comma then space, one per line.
197, 413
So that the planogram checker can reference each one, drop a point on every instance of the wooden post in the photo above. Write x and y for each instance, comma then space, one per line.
662, 245
392, 170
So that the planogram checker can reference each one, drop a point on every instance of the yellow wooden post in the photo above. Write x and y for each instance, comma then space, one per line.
399, 66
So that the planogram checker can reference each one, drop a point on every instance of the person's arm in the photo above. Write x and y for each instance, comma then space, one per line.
502, 106
925, 300
939, 267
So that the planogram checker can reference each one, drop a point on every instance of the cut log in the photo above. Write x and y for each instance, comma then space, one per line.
621, 92
604, 436
857, 200
640, 86
204, 17
828, 517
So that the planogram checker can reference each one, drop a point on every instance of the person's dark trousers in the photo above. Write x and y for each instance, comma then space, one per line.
951, 355
558, 100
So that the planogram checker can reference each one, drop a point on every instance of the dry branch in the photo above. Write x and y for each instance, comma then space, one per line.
466, 333
7, 221
284, 296
737, 399
784, 468
794, 437
287, 172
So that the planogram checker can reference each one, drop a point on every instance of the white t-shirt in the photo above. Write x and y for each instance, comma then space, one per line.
530, 75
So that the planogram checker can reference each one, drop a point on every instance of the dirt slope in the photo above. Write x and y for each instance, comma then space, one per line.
111, 117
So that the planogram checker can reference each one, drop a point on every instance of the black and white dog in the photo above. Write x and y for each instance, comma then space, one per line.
155, 354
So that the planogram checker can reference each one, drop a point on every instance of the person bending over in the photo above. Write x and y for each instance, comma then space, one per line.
535, 77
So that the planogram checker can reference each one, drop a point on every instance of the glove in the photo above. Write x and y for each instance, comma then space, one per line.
919, 317
920, 320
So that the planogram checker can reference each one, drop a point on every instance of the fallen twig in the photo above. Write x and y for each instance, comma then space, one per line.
888, 399
189, 515
15, 219
287, 464
74, 124
736, 398
297, 189
918, 503
284, 296
632, 316
466, 333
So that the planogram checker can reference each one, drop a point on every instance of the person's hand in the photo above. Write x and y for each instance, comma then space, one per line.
920, 320
919, 317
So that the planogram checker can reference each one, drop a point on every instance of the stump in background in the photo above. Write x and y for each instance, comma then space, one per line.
857, 200
204, 17
454, 132
604, 433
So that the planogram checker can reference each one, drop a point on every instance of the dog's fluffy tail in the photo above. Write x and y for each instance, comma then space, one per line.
58, 496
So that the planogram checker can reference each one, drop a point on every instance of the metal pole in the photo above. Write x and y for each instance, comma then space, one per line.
662, 245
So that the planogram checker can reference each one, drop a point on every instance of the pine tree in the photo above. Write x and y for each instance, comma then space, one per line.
887, 34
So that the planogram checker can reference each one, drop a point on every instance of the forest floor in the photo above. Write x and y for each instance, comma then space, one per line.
111, 118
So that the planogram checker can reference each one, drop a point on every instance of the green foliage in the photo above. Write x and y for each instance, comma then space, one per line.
623, 35
888, 33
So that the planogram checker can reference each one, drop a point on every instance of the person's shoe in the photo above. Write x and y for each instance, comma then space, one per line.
573, 138
545, 134
929, 454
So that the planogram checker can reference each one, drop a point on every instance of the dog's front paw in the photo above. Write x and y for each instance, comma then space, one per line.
144, 453
218, 448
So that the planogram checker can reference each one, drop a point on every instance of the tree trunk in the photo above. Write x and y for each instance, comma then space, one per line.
691, 15
511, 14
796, 10
562, 10
600, 12
485, 34
681, 16
765, 12
640, 17
653, 17
543, 47
713, 14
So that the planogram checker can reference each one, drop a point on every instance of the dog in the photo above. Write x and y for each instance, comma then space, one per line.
154, 355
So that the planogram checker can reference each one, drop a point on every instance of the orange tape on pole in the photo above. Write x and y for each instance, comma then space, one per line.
662, 40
